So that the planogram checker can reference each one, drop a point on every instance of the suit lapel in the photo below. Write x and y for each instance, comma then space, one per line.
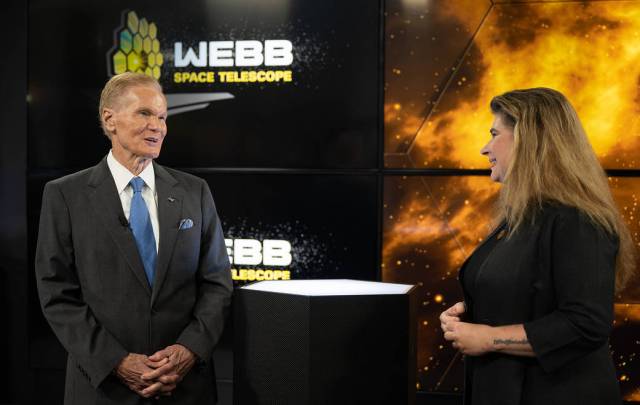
170, 197
108, 207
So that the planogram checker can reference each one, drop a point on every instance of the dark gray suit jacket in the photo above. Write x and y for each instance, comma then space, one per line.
94, 291
556, 277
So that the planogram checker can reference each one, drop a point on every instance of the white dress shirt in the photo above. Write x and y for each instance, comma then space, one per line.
122, 177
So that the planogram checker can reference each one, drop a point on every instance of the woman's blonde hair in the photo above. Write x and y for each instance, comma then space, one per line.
552, 160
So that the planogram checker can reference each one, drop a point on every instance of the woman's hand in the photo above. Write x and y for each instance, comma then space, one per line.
470, 338
452, 315
477, 339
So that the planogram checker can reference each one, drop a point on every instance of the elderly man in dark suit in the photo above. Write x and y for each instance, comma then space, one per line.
131, 265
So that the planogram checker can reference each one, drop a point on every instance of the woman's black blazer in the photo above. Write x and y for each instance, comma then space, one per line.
556, 276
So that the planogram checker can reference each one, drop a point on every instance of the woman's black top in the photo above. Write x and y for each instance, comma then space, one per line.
479, 256
555, 276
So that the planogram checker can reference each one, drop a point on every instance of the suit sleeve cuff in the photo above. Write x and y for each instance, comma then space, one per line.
200, 349
551, 338
106, 367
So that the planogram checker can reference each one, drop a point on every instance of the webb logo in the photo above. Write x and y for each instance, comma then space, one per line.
136, 47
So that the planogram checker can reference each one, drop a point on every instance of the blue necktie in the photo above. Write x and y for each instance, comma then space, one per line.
140, 224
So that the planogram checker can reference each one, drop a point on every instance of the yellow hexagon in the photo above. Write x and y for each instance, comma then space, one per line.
119, 62
156, 72
137, 43
156, 46
148, 72
132, 21
134, 62
153, 30
159, 59
126, 41
146, 45
144, 27
151, 59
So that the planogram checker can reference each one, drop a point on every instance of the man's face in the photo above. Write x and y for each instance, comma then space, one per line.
138, 123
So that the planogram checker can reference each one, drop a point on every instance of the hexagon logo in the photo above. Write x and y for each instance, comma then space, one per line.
136, 47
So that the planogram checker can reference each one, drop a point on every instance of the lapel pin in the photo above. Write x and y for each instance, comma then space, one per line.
171, 199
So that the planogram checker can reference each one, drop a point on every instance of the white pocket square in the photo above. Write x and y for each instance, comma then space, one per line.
185, 224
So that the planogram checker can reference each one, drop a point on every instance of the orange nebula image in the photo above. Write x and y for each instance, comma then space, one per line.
444, 61
588, 50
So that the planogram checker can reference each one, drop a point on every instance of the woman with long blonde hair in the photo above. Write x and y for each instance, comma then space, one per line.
539, 291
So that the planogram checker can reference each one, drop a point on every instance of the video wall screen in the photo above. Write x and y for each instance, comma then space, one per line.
249, 83
445, 60
431, 224
306, 226
624, 349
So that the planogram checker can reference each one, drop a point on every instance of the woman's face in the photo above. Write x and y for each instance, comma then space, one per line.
499, 148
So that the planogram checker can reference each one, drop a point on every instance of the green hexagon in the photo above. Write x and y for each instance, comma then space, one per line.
159, 59
151, 59
126, 41
119, 62
146, 45
156, 72
137, 43
132, 21
156, 46
153, 30
144, 27
134, 61
148, 72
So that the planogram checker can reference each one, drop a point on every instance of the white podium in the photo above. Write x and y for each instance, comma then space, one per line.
324, 342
